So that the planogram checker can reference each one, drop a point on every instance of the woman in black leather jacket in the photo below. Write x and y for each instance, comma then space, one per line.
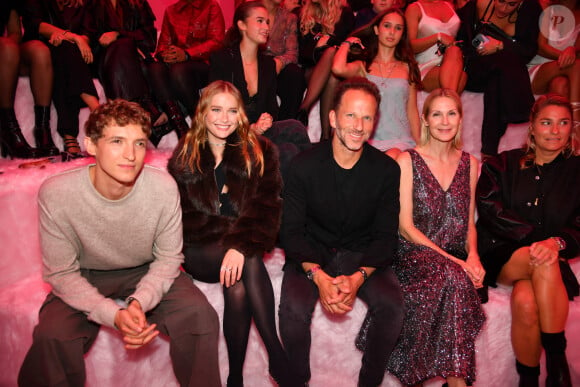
529, 221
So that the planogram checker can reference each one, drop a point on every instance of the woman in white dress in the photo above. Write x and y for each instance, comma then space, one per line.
432, 26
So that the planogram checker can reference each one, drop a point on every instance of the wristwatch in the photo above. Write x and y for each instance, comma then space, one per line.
310, 273
130, 300
561, 243
364, 273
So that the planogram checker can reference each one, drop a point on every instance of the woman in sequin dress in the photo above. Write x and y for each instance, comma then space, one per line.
437, 263
388, 62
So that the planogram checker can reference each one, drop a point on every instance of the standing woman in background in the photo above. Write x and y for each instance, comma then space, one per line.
323, 25
230, 186
496, 64
31, 57
528, 201
387, 61
65, 26
432, 26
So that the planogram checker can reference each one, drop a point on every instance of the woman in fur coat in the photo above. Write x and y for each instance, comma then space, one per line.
230, 184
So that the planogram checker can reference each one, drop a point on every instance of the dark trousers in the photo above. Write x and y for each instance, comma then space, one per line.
72, 77
508, 98
381, 293
64, 334
121, 71
291, 86
178, 82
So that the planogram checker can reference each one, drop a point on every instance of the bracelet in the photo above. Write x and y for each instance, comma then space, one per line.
364, 274
347, 42
130, 300
310, 273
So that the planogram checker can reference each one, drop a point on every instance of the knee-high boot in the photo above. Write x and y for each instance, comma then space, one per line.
556, 362
157, 132
12, 140
42, 134
176, 118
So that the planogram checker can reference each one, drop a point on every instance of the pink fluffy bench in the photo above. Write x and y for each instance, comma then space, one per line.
334, 359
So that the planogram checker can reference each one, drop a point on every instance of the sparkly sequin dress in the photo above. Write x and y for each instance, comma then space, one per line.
443, 312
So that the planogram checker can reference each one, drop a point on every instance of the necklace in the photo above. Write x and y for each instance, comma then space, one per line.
389, 70
217, 143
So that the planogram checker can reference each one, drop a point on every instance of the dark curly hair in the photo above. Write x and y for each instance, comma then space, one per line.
116, 112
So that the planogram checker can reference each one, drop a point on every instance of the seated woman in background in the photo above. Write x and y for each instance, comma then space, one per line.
31, 57
230, 196
191, 30
499, 39
254, 74
389, 63
528, 202
437, 262
432, 28
124, 38
64, 25
556, 68
323, 25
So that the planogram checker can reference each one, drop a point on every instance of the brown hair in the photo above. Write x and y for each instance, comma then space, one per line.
403, 51
438, 93
119, 112
543, 101
355, 83
196, 138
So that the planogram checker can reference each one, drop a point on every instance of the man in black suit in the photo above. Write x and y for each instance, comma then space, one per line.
339, 233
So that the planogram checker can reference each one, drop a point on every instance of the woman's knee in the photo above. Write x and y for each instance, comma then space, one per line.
560, 85
453, 54
9, 52
524, 305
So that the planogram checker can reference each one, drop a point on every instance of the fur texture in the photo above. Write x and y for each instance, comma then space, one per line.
255, 200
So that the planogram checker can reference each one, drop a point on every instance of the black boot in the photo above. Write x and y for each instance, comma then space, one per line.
12, 140
528, 375
556, 362
42, 134
176, 118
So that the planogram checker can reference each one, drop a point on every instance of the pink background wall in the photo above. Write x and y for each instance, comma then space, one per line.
160, 5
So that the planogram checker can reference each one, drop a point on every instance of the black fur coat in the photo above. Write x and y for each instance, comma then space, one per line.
255, 199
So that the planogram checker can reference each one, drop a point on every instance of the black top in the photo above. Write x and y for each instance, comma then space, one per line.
322, 212
226, 65
525, 40
34, 12
135, 22
521, 206
308, 53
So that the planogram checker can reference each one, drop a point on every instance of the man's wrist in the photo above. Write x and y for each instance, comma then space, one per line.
130, 300
560, 242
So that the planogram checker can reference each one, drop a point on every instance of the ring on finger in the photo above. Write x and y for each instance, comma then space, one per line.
228, 269
223, 268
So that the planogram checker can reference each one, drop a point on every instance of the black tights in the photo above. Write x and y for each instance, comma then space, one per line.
252, 296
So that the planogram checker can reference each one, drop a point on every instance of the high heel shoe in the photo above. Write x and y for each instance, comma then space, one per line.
12, 140
72, 149
42, 134
157, 133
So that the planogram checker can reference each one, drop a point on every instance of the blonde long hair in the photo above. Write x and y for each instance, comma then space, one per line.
196, 138
325, 14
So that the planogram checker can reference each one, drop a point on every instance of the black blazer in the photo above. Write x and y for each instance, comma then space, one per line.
226, 65
316, 220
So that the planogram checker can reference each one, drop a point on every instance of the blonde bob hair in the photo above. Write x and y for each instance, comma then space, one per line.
438, 93
196, 138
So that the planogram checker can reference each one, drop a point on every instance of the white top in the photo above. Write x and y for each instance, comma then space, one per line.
429, 26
